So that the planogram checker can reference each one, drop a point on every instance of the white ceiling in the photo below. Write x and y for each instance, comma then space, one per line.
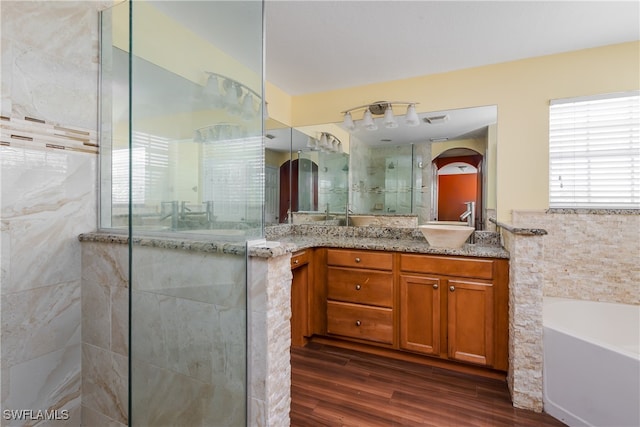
320, 45
315, 46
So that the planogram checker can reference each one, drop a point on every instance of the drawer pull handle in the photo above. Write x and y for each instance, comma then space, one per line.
358, 259
358, 287
296, 261
358, 323
452, 288
435, 286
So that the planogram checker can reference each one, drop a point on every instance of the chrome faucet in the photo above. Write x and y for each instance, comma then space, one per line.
327, 212
469, 214
346, 215
173, 213
209, 210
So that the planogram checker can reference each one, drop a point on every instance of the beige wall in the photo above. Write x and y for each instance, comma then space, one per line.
521, 90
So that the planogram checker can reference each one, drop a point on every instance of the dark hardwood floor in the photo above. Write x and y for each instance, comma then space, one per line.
339, 387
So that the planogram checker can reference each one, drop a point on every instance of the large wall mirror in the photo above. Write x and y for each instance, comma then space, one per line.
306, 174
432, 170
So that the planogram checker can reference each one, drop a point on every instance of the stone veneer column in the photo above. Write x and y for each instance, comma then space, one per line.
269, 341
525, 319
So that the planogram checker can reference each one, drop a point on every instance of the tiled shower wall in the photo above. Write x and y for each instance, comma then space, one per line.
47, 179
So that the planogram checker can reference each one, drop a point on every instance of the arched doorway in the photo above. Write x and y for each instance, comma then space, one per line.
298, 187
458, 180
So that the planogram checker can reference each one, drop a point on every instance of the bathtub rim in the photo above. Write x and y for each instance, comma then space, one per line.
546, 323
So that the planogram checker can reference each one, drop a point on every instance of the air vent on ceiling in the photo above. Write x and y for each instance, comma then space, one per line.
436, 119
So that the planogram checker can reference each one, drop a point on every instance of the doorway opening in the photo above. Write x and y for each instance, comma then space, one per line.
459, 179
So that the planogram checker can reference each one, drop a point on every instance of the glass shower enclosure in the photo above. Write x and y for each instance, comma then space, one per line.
182, 175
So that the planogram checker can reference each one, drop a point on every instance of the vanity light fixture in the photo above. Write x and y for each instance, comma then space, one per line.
219, 132
236, 98
381, 108
326, 143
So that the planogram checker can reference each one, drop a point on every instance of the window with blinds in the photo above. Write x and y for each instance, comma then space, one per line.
149, 164
594, 152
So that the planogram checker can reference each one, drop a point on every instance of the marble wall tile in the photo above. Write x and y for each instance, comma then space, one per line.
105, 264
94, 418
120, 321
47, 201
6, 64
105, 382
49, 72
39, 321
211, 278
186, 402
5, 250
53, 60
96, 318
51, 381
43, 184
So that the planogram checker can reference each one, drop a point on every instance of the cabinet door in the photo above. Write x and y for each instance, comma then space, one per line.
420, 314
470, 321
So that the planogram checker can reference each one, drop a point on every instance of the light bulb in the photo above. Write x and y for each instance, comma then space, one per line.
412, 118
348, 121
367, 121
389, 120
247, 107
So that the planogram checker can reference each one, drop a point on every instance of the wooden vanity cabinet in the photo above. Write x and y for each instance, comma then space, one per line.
455, 307
300, 297
360, 295
406, 305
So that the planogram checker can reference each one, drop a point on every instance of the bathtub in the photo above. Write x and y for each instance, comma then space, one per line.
591, 374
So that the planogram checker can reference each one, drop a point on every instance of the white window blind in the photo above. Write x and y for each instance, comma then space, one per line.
150, 164
594, 152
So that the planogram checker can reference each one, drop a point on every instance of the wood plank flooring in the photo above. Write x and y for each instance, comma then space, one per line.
339, 387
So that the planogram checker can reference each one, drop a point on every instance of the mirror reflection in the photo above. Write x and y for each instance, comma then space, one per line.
442, 169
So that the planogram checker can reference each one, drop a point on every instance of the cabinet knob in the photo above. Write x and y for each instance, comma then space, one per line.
296, 261
435, 286
358, 259
358, 287
358, 323
452, 288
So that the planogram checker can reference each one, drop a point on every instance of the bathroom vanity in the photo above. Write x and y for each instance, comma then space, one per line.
397, 296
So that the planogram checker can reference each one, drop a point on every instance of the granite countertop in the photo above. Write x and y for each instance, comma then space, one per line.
390, 244
284, 239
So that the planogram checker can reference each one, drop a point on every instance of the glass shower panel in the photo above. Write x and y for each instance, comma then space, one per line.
114, 118
197, 161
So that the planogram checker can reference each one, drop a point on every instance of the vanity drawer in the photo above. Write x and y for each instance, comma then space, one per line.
360, 286
360, 259
299, 258
360, 321
447, 266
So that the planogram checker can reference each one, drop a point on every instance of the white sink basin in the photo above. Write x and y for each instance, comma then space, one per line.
446, 236
361, 220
